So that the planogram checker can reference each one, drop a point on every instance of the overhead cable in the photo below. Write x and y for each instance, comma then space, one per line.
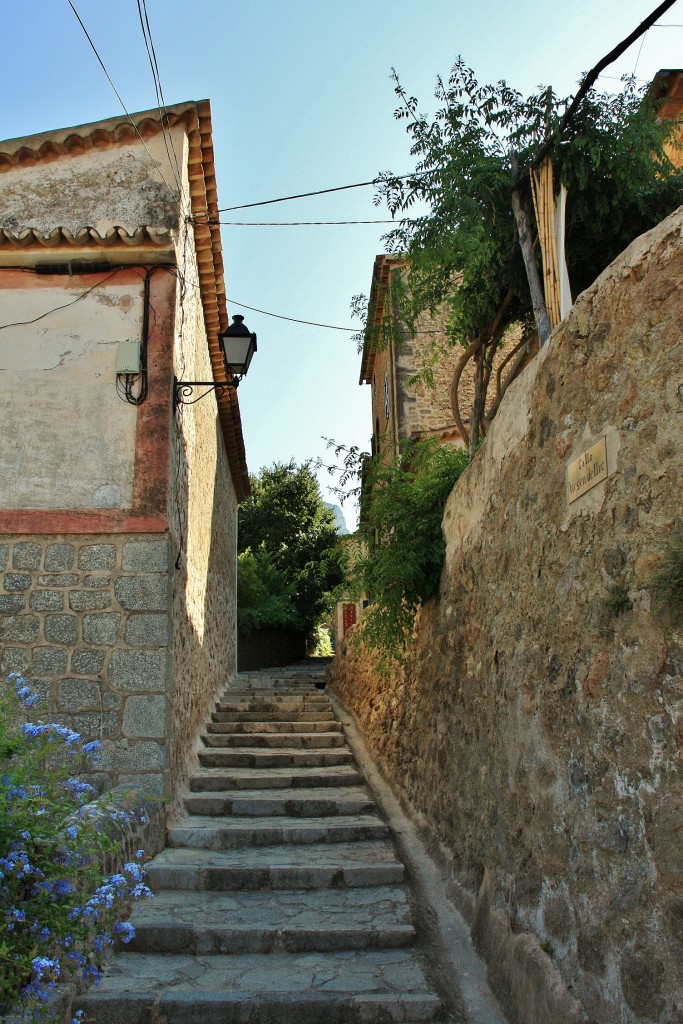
161, 102
293, 223
320, 191
292, 319
118, 96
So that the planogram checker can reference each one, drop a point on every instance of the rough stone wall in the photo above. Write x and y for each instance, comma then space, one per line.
426, 409
86, 621
203, 518
538, 725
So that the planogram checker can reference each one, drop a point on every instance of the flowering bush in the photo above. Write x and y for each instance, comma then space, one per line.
58, 915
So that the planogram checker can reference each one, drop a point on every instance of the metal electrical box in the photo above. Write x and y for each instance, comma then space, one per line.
128, 357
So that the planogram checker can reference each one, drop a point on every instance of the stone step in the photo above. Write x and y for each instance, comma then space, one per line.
293, 803
212, 780
273, 716
294, 706
273, 740
246, 757
262, 692
280, 728
285, 687
303, 702
202, 831
324, 865
210, 923
275, 988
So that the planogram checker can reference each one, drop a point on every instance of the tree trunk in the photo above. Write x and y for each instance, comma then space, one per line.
479, 401
524, 233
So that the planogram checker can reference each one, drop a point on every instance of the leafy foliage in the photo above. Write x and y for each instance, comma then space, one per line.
264, 598
618, 600
59, 915
401, 522
464, 251
667, 580
292, 537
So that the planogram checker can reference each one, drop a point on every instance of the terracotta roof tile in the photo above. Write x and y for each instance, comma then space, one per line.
62, 238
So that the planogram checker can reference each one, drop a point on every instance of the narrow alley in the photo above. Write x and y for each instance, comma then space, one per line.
280, 896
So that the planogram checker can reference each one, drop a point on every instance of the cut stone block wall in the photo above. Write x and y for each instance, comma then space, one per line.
86, 620
203, 525
537, 728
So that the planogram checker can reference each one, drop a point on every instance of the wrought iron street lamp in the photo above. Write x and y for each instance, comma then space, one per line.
238, 345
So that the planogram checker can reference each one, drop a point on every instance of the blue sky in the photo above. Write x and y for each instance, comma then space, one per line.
301, 100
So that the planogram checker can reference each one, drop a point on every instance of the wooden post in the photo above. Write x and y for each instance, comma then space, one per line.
523, 222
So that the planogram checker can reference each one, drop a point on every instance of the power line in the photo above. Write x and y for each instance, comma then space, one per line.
118, 96
293, 223
321, 191
590, 78
161, 102
293, 319
25, 323
312, 323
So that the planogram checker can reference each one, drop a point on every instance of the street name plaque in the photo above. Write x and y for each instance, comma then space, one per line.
587, 470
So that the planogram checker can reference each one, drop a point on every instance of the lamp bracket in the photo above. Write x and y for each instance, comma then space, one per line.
182, 389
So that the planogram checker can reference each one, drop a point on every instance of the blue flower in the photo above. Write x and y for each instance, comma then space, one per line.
125, 931
44, 965
134, 870
100, 943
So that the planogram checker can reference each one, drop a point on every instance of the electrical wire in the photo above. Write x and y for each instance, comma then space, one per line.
161, 102
640, 50
26, 323
320, 191
118, 96
174, 272
294, 223
292, 319
312, 323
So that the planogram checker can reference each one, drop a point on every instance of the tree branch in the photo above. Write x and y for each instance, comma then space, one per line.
455, 383
519, 353
589, 80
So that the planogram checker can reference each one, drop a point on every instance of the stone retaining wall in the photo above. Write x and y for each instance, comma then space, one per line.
537, 729
86, 620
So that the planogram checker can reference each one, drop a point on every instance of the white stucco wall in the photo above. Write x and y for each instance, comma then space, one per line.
67, 439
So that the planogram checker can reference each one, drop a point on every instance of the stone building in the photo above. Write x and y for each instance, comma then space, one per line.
401, 409
668, 87
404, 405
117, 510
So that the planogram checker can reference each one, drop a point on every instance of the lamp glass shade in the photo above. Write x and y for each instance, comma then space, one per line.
238, 346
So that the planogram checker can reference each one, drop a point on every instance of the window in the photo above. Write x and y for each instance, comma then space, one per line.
386, 396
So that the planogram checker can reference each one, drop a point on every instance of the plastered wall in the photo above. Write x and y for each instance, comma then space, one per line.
68, 441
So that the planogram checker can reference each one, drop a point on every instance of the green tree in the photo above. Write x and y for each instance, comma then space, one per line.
472, 174
292, 539
264, 598
402, 504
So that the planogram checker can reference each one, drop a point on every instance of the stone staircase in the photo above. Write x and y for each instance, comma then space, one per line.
279, 897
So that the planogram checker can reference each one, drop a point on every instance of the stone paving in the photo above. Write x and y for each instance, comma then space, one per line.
279, 897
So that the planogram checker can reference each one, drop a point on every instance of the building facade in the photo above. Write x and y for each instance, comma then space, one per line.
118, 507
